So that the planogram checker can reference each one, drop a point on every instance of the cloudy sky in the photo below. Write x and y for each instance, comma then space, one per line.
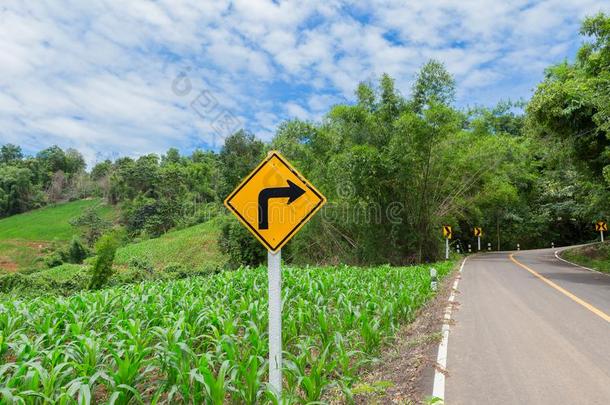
131, 77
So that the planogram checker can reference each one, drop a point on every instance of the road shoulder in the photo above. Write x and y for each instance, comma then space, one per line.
406, 369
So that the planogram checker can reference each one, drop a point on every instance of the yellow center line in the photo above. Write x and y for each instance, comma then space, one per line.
565, 292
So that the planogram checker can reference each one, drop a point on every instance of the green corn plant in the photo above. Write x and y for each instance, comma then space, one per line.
204, 339
215, 387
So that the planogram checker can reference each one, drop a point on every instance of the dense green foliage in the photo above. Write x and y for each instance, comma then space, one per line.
203, 340
26, 183
570, 114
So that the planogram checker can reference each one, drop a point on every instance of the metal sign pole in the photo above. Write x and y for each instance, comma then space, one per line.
447, 248
275, 322
602, 234
479, 243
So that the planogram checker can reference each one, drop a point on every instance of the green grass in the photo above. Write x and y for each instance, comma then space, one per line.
19, 254
24, 236
204, 339
59, 274
49, 223
191, 247
595, 256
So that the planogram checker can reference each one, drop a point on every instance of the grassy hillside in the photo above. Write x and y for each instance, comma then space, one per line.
49, 223
24, 236
190, 251
191, 247
595, 257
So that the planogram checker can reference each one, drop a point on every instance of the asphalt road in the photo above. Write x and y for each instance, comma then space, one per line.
539, 335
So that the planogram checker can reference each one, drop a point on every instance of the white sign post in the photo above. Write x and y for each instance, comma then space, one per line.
602, 235
274, 179
447, 248
479, 243
275, 322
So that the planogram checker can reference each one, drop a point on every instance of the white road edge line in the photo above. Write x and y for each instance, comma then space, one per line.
438, 389
576, 265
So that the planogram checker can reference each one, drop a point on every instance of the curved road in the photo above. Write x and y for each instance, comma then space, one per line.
530, 329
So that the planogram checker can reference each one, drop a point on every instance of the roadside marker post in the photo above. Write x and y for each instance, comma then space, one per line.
433, 277
601, 226
518, 247
273, 203
553, 245
489, 246
469, 248
447, 233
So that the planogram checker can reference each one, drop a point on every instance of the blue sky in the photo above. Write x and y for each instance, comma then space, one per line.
117, 78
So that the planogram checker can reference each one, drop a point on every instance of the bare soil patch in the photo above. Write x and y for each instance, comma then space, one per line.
7, 265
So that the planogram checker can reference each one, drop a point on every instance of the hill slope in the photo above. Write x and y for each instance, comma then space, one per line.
24, 236
596, 257
191, 247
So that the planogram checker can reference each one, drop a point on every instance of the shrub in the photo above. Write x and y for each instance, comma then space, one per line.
77, 252
105, 249
138, 263
54, 259
12, 280
240, 246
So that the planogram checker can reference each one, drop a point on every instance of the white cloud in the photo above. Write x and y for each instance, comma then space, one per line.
98, 75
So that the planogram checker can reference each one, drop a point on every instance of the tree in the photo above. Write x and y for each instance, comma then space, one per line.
239, 155
10, 154
101, 170
75, 162
171, 157
53, 159
90, 225
433, 84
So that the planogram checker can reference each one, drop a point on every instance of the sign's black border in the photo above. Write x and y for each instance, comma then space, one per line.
305, 219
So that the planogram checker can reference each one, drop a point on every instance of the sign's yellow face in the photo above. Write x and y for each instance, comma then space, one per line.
447, 233
601, 226
274, 202
478, 231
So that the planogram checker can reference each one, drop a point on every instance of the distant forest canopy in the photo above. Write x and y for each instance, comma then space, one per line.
394, 169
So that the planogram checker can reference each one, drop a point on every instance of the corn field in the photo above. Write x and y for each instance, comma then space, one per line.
204, 340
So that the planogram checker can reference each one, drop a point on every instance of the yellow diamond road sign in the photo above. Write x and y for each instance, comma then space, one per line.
274, 201
601, 226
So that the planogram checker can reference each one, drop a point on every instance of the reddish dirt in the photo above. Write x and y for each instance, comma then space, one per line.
7, 265
35, 244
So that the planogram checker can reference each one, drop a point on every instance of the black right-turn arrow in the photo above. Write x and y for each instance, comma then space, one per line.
292, 192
